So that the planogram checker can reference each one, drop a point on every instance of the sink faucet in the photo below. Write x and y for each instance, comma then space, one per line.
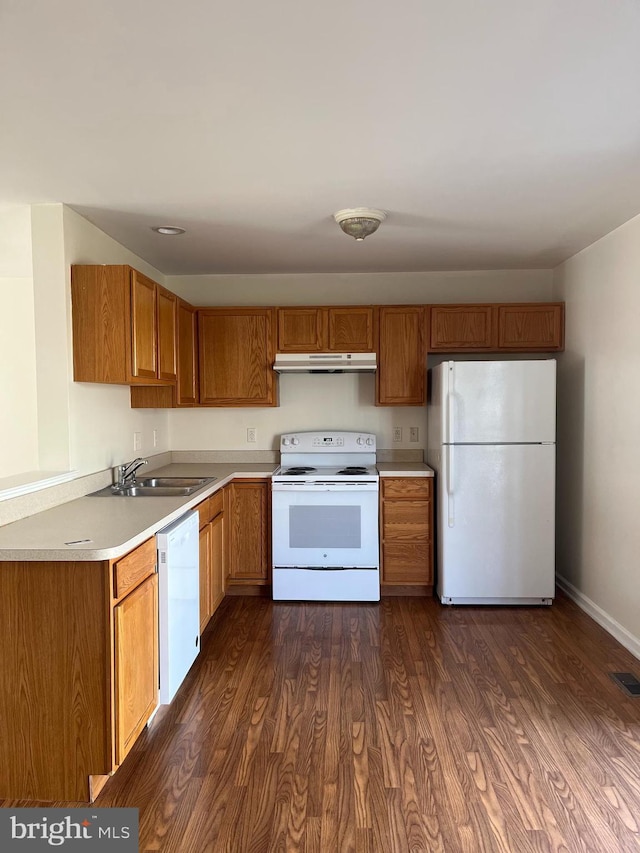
127, 472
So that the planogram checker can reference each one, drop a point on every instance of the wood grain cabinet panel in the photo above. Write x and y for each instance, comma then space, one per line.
237, 349
144, 312
326, 329
456, 328
531, 327
401, 376
124, 326
213, 569
87, 667
136, 663
351, 329
135, 567
406, 531
167, 315
187, 379
302, 330
205, 575
248, 529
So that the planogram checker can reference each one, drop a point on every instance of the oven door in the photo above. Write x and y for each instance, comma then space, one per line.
328, 525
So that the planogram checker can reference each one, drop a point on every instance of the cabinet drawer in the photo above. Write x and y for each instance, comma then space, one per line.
216, 503
407, 563
204, 511
406, 487
406, 520
135, 567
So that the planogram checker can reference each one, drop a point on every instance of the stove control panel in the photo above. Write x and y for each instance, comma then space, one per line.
327, 441
319, 442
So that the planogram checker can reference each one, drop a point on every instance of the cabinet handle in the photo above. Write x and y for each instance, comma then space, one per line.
450, 504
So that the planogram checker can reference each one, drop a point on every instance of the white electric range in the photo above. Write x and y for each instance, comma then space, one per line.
325, 518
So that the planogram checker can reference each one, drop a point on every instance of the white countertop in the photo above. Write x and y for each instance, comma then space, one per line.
113, 525
404, 469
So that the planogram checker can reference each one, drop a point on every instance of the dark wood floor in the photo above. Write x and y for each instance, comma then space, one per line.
403, 726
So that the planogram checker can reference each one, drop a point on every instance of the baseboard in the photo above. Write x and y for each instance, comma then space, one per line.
624, 637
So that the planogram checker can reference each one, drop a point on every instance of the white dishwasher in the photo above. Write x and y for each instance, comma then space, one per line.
179, 601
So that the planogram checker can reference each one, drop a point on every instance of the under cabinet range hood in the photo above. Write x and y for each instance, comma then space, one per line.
325, 362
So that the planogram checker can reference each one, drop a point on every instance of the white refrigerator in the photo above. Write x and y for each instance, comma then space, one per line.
492, 443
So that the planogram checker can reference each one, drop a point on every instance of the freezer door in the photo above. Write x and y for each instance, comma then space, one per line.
497, 402
496, 522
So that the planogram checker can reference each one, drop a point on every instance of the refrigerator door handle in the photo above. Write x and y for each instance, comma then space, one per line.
450, 506
450, 401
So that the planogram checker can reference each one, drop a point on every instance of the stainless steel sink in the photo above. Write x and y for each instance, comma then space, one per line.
173, 482
156, 487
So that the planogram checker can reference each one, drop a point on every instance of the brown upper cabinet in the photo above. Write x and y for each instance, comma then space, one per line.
461, 327
237, 350
513, 327
187, 382
124, 326
401, 374
531, 327
326, 329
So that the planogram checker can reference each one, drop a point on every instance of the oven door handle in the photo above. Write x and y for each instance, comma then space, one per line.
312, 488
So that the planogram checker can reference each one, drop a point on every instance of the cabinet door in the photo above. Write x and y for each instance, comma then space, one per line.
237, 349
100, 312
401, 376
167, 334
531, 327
135, 663
462, 327
205, 576
144, 355
187, 383
302, 330
351, 329
248, 529
218, 568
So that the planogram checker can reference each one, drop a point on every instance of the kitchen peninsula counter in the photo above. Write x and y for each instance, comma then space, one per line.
105, 528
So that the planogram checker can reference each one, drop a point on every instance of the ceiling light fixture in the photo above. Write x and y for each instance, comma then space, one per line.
168, 230
359, 222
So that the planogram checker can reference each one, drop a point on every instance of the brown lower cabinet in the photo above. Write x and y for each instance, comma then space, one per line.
213, 566
406, 532
79, 674
247, 509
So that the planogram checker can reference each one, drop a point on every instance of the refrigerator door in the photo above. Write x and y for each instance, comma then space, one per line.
497, 402
496, 521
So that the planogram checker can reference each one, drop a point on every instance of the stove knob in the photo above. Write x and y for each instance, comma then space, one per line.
360, 440
369, 441
286, 442
295, 441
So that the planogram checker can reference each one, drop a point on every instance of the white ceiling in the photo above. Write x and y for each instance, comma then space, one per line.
495, 134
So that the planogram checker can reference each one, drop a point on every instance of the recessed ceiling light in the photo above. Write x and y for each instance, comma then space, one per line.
168, 230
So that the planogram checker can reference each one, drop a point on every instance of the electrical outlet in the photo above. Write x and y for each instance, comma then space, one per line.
251, 434
413, 433
137, 441
155, 438
397, 433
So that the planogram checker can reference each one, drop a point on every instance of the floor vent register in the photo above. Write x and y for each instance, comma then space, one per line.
628, 682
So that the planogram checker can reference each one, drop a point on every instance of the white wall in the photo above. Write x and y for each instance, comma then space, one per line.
333, 402
18, 395
102, 423
365, 288
599, 430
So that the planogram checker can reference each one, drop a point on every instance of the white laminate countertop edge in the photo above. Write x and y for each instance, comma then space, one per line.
404, 469
113, 526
